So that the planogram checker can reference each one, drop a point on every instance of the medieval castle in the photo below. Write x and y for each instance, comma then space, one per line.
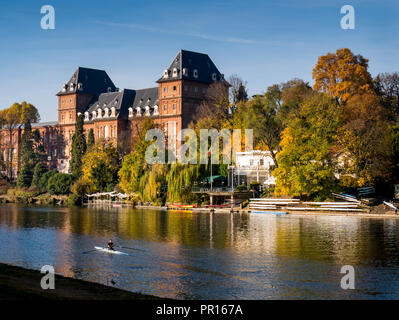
113, 113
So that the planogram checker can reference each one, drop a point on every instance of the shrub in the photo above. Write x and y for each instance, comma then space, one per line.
82, 187
74, 200
241, 188
59, 183
42, 185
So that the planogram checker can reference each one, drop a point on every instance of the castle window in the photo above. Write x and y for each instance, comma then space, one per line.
165, 107
203, 90
166, 73
62, 116
112, 131
195, 73
196, 89
165, 89
214, 76
99, 133
174, 88
70, 116
55, 152
175, 72
106, 132
130, 112
113, 112
174, 106
185, 88
185, 71
70, 100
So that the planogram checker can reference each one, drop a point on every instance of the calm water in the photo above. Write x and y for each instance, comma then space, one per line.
203, 256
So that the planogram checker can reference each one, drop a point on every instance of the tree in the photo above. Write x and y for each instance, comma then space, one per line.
387, 87
342, 75
215, 110
43, 181
306, 167
38, 171
267, 127
26, 157
90, 139
78, 148
100, 166
363, 141
59, 183
134, 165
11, 118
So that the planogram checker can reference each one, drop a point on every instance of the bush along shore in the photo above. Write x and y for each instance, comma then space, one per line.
21, 196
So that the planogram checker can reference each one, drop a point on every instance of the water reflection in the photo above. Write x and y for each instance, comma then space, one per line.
208, 256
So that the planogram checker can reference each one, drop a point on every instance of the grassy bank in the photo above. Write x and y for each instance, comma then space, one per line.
18, 283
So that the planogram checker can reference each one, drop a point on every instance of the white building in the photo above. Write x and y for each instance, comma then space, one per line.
253, 166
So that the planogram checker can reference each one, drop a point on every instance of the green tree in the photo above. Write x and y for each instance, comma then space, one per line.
134, 165
26, 157
90, 139
78, 148
38, 171
43, 181
59, 183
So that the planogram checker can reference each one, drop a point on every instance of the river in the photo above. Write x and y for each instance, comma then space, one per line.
186, 255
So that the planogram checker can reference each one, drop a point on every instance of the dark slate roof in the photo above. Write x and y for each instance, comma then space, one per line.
123, 100
86, 80
192, 61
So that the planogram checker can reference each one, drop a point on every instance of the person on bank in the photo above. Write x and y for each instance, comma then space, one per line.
110, 245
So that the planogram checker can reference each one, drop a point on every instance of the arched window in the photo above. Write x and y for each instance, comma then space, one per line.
106, 132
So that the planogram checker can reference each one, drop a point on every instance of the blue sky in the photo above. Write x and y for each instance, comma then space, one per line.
264, 42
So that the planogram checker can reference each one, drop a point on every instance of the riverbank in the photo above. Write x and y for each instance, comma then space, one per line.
18, 283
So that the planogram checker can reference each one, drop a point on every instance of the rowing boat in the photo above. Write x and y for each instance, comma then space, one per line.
110, 251
390, 205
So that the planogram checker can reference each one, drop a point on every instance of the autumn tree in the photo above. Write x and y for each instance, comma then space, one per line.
100, 167
363, 141
306, 167
11, 118
78, 148
342, 75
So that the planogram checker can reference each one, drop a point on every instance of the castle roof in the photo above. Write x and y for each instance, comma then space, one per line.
194, 66
86, 80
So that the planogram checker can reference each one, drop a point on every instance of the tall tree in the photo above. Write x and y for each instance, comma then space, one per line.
11, 118
387, 88
26, 157
306, 167
363, 141
90, 139
342, 75
78, 148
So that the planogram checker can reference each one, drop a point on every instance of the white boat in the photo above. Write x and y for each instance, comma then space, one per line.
110, 251
390, 205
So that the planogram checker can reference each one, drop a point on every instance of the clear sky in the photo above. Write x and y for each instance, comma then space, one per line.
262, 41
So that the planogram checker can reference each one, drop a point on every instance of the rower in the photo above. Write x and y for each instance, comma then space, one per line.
110, 245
